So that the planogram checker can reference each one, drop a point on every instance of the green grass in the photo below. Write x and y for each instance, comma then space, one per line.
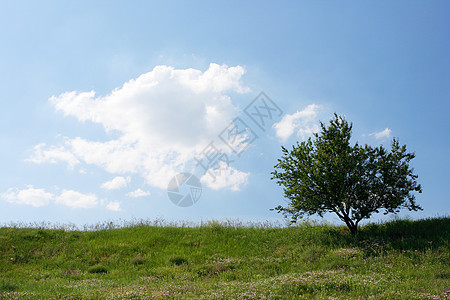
400, 259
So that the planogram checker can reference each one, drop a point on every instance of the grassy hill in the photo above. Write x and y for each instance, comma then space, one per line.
395, 260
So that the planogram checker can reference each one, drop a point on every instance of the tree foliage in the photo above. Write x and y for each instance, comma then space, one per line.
327, 174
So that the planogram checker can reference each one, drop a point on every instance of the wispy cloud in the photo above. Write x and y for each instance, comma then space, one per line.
53, 154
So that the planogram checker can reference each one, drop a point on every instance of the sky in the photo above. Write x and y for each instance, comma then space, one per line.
177, 110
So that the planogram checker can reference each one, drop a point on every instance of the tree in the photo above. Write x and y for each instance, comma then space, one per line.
327, 174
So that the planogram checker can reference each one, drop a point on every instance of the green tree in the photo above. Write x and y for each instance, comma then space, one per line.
327, 174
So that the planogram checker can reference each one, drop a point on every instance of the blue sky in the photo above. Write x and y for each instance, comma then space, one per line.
103, 103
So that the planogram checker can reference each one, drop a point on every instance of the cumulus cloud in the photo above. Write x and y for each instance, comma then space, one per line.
304, 122
386, 133
117, 182
162, 120
39, 197
114, 206
76, 199
29, 196
138, 193
225, 176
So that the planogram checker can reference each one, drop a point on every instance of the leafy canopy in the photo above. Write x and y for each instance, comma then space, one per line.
327, 174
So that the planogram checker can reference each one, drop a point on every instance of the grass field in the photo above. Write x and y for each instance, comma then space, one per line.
400, 259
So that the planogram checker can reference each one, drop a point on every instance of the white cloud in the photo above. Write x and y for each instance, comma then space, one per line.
304, 122
225, 177
114, 206
117, 182
386, 133
138, 193
29, 196
163, 119
76, 199
53, 154
40, 197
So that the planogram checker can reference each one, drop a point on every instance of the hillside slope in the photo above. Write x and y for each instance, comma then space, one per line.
395, 260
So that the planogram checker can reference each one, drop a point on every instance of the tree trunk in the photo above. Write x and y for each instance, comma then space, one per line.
353, 228
351, 225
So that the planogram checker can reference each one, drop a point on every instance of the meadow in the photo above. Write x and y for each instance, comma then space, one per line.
400, 259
